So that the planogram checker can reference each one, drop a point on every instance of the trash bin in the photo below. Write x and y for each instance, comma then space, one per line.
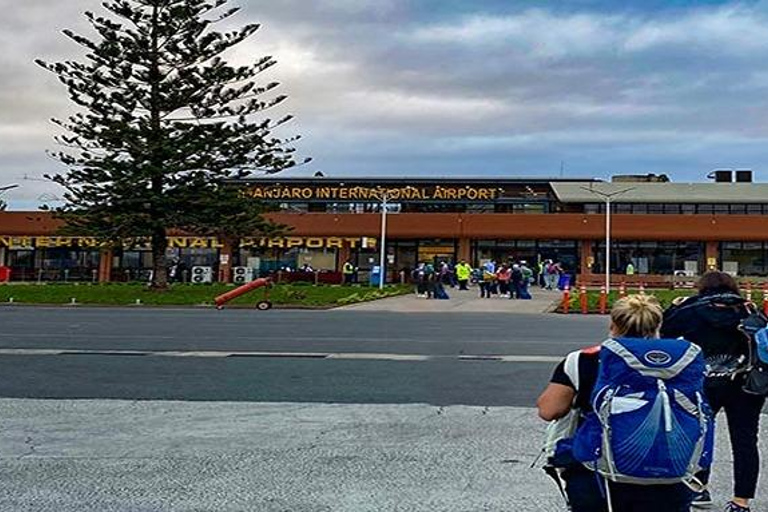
5, 274
565, 282
375, 276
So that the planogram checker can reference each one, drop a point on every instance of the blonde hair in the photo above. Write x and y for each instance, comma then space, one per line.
637, 316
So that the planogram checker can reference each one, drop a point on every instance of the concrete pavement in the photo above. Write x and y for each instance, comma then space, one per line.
101, 456
462, 301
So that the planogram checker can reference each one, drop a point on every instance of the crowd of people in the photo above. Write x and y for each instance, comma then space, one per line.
632, 419
508, 280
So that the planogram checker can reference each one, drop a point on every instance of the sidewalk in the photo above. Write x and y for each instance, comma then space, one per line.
101, 456
465, 301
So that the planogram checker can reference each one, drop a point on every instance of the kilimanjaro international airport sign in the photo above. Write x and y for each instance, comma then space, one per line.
374, 194
187, 242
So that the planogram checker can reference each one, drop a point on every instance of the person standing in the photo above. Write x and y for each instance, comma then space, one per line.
553, 275
516, 282
487, 280
635, 323
463, 273
504, 275
430, 277
348, 270
526, 281
418, 277
711, 319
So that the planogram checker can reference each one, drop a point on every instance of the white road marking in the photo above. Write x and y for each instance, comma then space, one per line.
349, 356
531, 359
186, 353
29, 352
382, 357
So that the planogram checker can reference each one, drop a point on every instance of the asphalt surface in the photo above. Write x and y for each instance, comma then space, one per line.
284, 330
444, 380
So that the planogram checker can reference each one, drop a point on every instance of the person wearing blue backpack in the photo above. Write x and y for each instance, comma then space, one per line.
643, 428
714, 319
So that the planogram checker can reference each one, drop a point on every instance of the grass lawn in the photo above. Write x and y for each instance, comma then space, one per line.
114, 294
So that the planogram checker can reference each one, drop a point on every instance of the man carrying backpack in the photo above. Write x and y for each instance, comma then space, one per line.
712, 319
526, 281
429, 279
643, 427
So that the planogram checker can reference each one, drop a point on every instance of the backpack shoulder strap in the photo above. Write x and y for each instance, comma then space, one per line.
690, 355
571, 368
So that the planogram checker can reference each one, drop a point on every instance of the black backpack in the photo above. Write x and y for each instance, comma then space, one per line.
757, 372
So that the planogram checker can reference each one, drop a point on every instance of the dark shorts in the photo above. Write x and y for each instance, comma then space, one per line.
586, 493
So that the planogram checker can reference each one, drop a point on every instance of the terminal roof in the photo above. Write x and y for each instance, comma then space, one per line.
725, 193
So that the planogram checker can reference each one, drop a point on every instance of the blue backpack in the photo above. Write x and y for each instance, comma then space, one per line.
761, 342
651, 423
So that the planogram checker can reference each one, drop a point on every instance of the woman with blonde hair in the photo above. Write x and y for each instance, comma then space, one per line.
582, 381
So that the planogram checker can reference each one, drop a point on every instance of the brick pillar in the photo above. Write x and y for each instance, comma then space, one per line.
465, 250
586, 257
225, 262
105, 265
712, 255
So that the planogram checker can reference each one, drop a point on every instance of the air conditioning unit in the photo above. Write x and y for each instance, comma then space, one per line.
242, 275
202, 275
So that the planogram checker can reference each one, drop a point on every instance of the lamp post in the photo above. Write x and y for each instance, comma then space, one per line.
383, 248
607, 197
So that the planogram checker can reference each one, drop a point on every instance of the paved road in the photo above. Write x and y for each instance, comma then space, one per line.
200, 336
340, 331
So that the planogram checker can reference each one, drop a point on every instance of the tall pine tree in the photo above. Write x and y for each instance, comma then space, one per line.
164, 124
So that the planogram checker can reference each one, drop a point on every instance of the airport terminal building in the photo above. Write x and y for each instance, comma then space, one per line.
662, 228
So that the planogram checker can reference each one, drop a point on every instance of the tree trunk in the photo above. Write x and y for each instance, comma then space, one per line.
159, 263
159, 237
232, 247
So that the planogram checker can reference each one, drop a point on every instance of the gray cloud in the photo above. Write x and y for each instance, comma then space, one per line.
378, 88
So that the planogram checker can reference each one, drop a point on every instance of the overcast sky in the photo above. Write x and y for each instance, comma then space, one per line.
458, 87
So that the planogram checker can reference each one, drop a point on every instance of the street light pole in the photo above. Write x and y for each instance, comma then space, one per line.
607, 245
607, 197
383, 249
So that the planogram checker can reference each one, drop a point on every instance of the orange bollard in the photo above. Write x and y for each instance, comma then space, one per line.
583, 300
566, 299
641, 291
622, 290
603, 301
